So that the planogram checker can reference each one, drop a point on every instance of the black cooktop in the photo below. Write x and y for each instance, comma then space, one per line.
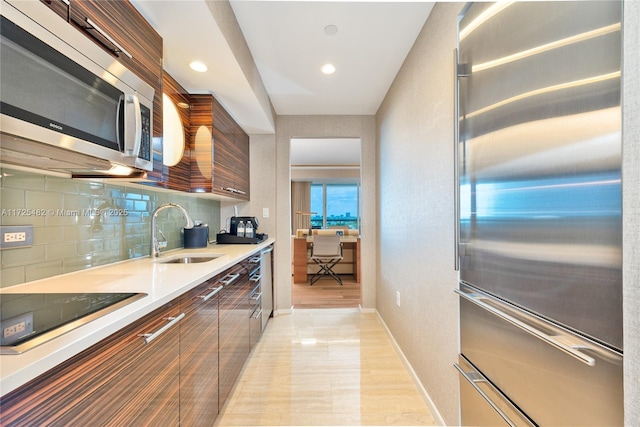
29, 319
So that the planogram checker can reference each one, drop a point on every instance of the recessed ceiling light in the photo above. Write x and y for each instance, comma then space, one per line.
198, 66
331, 30
328, 69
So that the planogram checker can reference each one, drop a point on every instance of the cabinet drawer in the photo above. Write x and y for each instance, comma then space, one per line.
118, 370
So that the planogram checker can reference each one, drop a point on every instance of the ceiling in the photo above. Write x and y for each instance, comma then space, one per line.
288, 44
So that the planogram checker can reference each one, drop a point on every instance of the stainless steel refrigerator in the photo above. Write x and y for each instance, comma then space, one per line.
539, 205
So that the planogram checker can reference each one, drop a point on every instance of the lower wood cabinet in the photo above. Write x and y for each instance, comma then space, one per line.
173, 367
199, 355
234, 327
130, 378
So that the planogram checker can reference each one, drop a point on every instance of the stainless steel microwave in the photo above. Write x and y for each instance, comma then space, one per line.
66, 104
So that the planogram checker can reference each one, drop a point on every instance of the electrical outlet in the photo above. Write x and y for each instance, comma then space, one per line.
16, 328
265, 212
398, 298
15, 237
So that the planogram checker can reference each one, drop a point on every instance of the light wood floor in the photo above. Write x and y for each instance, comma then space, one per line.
330, 367
326, 293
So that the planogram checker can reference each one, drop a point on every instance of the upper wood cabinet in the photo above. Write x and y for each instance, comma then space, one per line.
178, 176
219, 150
123, 24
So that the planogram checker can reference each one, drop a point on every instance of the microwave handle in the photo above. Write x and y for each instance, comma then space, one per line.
132, 148
118, 123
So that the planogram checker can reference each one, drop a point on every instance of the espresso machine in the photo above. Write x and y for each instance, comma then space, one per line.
242, 229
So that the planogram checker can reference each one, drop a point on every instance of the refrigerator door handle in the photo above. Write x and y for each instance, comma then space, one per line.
473, 378
456, 165
555, 341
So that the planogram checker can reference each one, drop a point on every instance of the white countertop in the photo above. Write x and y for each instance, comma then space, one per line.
161, 283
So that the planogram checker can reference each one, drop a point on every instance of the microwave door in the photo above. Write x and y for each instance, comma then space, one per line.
45, 88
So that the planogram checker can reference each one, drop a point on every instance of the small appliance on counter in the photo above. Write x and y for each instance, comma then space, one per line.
196, 237
242, 230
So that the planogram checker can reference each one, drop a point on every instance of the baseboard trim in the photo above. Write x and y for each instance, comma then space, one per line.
367, 310
432, 407
280, 312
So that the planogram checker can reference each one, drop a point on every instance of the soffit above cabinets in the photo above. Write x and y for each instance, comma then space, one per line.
190, 32
286, 44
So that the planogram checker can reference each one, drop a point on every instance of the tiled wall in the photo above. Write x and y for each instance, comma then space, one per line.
80, 224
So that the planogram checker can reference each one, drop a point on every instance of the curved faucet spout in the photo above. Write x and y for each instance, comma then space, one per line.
155, 244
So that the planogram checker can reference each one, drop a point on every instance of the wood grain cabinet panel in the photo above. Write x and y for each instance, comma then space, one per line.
119, 381
220, 150
178, 177
242, 173
234, 330
199, 404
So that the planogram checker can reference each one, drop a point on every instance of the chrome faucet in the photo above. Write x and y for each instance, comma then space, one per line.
155, 243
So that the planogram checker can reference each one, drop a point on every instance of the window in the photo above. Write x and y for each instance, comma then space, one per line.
335, 205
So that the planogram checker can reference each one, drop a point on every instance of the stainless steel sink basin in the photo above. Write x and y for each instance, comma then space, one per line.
188, 259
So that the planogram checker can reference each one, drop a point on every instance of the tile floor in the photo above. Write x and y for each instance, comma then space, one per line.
331, 367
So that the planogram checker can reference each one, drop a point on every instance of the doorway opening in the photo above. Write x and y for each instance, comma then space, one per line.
325, 200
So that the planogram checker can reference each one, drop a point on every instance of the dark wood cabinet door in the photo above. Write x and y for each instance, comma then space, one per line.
224, 159
122, 22
224, 152
234, 345
242, 166
178, 177
219, 150
119, 381
201, 143
199, 355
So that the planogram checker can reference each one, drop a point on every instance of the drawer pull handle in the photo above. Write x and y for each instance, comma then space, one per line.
234, 190
229, 279
255, 278
212, 293
256, 297
172, 321
108, 37
552, 340
257, 313
473, 379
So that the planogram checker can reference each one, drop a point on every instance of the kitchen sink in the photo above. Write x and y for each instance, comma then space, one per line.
188, 259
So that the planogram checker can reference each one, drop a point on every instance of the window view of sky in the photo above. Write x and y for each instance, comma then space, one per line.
342, 204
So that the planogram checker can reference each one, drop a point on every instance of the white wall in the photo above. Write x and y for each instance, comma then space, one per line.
415, 193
